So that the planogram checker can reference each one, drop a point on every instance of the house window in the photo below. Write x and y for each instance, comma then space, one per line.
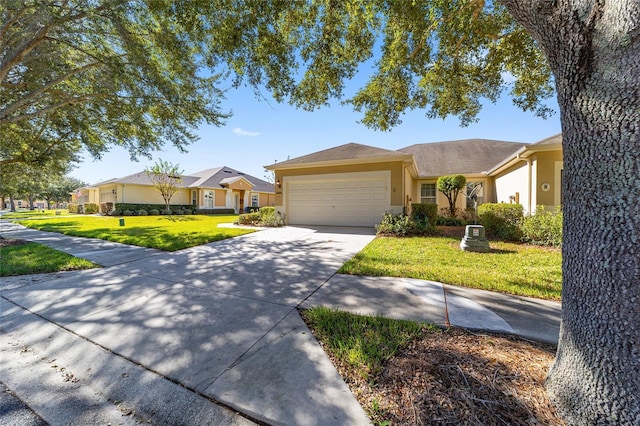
428, 193
255, 200
208, 199
474, 189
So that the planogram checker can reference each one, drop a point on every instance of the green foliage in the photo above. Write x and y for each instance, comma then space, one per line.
73, 208
501, 220
92, 74
401, 225
450, 186
365, 342
91, 208
154, 212
127, 213
142, 213
161, 232
34, 258
166, 178
441, 56
266, 216
450, 221
425, 213
543, 228
509, 267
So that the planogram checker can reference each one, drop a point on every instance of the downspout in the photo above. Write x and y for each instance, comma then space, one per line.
530, 184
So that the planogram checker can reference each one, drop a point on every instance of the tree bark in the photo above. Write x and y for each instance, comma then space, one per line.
594, 50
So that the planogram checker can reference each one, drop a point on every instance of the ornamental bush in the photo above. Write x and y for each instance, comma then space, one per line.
91, 208
501, 220
401, 225
270, 217
142, 212
543, 228
426, 214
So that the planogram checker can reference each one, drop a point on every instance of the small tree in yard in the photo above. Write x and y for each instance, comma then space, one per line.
167, 179
450, 186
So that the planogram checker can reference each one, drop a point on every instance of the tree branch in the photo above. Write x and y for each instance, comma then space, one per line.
28, 98
7, 120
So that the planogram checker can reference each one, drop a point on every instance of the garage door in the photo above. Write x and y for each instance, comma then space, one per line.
347, 199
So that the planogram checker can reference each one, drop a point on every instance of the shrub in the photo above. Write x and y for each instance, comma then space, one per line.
154, 212
215, 211
543, 228
426, 214
106, 208
73, 208
270, 217
450, 221
127, 213
142, 213
501, 220
401, 225
249, 218
91, 208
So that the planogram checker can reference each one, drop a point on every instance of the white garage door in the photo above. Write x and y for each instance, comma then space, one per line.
346, 199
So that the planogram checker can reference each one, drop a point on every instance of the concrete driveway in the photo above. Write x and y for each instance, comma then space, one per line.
207, 335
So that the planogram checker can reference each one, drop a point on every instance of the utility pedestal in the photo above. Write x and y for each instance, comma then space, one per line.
474, 239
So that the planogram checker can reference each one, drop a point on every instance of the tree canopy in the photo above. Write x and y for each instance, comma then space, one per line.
450, 186
85, 74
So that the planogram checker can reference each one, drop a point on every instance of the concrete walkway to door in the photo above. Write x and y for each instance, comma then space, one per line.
211, 334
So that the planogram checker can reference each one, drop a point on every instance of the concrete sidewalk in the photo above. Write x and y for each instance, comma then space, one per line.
211, 334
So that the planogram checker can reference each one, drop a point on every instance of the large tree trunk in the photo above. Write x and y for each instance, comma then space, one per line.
594, 51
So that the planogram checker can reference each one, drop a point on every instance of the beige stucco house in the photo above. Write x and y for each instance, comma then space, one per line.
211, 189
354, 184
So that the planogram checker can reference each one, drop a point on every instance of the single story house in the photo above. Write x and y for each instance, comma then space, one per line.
211, 189
354, 184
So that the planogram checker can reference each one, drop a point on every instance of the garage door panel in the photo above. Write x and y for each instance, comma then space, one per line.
354, 200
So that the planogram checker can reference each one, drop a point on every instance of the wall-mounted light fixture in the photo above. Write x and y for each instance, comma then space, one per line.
278, 184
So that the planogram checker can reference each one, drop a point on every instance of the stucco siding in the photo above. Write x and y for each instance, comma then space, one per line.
545, 174
513, 182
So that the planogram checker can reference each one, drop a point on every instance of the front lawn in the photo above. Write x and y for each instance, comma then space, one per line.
509, 268
37, 213
168, 233
20, 257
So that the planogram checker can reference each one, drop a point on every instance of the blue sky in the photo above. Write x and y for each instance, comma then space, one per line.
261, 132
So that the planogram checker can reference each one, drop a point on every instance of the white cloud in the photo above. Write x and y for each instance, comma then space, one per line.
242, 132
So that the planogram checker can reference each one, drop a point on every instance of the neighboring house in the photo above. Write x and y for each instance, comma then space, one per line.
211, 189
354, 184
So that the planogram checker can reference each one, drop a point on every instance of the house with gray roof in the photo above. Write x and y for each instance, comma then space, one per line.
220, 188
355, 184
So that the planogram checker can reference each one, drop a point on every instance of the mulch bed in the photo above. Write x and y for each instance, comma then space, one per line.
456, 377
8, 242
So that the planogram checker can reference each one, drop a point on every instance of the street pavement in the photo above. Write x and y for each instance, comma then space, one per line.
212, 334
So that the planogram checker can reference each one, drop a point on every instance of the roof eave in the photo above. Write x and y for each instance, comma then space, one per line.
281, 166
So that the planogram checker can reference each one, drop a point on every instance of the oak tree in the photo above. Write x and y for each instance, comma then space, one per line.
449, 56
91, 74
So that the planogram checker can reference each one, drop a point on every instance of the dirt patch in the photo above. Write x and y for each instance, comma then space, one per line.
458, 377
8, 242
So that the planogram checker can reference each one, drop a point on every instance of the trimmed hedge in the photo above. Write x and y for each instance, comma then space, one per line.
425, 213
216, 211
147, 207
502, 220
91, 208
73, 208
543, 228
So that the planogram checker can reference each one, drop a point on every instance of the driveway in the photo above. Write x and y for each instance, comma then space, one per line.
189, 337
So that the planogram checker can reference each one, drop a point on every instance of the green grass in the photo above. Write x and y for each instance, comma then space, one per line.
34, 258
362, 342
34, 214
509, 268
168, 233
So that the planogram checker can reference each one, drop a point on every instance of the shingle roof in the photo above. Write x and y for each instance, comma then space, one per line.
469, 156
210, 178
348, 151
552, 140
